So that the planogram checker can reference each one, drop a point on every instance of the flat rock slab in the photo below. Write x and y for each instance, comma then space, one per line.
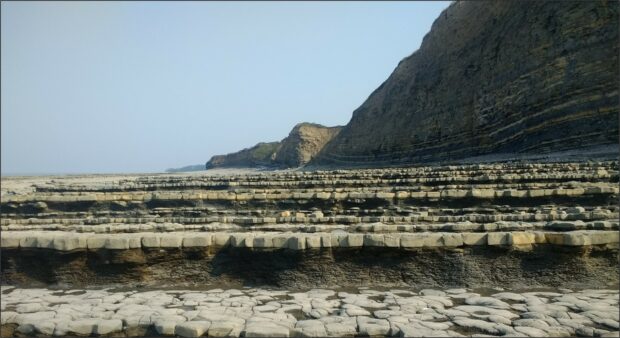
318, 312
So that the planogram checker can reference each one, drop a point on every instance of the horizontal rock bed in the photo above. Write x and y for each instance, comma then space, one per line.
469, 198
252, 312
66, 241
363, 227
479, 173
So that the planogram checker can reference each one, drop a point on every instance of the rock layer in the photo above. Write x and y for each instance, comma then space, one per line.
535, 223
502, 77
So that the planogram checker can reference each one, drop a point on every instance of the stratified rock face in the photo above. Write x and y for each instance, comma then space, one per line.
261, 154
303, 143
297, 149
494, 77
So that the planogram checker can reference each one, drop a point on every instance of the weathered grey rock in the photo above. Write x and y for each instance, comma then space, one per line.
354, 310
373, 327
103, 327
165, 327
265, 329
486, 311
311, 328
45, 327
26, 329
431, 292
226, 328
83, 326
192, 328
515, 297
30, 307
531, 331
476, 324
487, 301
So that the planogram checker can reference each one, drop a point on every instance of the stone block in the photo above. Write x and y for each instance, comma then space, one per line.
374, 240
44, 240
497, 238
603, 237
221, 239
433, 194
197, 240
533, 193
556, 238
242, 240
372, 326
313, 241
297, 242
353, 240
452, 240
150, 241
165, 327
411, 241
9, 240
69, 242
106, 326
539, 237
326, 240
263, 241
192, 329
280, 240
116, 242
385, 195
83, 326
96, 242
134, 241
433, 239
391, 240
521, 238
483, 193
171, 240
265, 329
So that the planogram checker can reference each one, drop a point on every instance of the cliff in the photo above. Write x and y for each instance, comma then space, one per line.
493, 77
297, 149
303, 143
261, 154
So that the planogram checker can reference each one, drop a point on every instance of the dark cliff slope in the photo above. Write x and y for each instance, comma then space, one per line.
493, 77
297, 149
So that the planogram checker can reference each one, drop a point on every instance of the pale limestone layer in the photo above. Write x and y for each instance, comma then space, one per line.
66, 241
460, 226
379, 193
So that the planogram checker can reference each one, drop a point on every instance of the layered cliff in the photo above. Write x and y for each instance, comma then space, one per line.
297, 149
303, 143
493, 77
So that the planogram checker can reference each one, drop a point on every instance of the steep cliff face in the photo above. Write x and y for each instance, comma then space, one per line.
493, 77
303, 143
297, 149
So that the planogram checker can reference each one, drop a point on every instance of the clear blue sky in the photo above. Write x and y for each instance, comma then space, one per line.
144, 86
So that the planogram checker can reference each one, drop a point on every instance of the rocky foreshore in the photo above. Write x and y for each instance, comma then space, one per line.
371, 239
251, 312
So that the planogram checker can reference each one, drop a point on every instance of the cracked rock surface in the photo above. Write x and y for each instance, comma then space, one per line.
252, 312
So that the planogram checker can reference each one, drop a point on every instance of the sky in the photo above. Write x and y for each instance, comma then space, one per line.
122, 87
